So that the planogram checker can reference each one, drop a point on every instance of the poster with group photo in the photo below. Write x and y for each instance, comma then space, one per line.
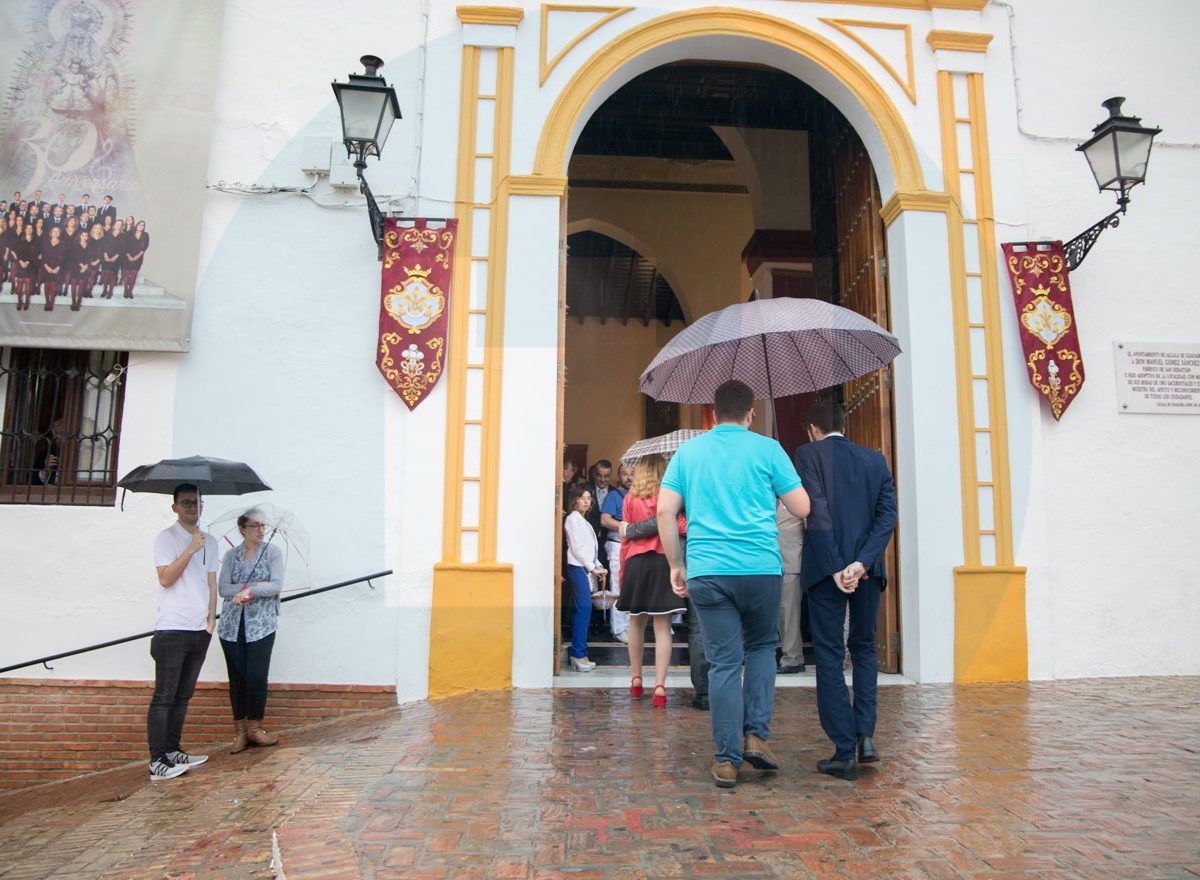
104, 140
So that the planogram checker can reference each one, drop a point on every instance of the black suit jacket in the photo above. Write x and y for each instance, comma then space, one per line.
102, 212
853, 508
593, 515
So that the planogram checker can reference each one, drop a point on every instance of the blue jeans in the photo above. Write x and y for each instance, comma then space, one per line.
581, 592
826, 615
739, 618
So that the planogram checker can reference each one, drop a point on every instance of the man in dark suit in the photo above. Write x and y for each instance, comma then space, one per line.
107, 209
852, 519
599, 484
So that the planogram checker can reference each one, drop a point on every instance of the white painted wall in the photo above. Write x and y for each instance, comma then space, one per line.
1103, 499
280, 374
281, 369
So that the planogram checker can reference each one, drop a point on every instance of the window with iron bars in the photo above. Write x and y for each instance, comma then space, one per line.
61, 425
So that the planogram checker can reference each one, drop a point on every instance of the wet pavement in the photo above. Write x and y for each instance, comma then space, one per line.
1080, 779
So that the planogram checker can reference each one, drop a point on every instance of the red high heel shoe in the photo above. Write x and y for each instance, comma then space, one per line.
635, 686
659, 700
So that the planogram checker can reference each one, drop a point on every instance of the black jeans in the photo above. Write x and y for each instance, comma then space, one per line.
178, 655
248, 664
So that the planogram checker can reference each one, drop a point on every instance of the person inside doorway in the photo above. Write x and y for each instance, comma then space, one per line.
598, 485
583, 564
611, 517
791, 545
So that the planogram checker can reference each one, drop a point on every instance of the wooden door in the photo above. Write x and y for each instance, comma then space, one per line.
862, 287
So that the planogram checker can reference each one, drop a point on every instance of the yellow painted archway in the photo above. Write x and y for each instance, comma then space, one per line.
553, 146
989, 598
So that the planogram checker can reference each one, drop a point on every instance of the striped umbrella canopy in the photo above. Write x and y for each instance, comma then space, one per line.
776, 346
664, 444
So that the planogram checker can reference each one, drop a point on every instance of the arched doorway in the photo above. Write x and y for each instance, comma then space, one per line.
743, 181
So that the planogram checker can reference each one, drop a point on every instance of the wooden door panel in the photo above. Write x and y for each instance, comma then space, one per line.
862, 284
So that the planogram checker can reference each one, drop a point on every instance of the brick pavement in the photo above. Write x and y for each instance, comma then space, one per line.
1082, 780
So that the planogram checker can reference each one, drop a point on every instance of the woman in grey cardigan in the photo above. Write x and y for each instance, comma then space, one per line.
250, 582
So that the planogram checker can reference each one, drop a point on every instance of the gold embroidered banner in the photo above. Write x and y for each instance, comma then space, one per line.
1046, 318
414, 306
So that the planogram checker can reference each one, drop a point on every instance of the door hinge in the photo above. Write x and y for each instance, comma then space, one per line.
896, 642
887, 378
883, 266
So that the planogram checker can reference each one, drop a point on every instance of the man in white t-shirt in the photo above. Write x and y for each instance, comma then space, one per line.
187, 562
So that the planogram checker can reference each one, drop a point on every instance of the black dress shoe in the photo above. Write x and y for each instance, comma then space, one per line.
842, 769
788, 670
700, 701
866, 750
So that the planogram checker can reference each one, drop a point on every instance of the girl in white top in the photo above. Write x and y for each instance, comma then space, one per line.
582, 559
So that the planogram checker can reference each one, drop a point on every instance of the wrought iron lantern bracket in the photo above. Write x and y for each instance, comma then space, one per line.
1077, 248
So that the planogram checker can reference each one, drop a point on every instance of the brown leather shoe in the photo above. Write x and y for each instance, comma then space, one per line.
258, 736
724, 774
758, 754
239, 737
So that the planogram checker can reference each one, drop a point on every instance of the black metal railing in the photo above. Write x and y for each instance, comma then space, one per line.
45, 661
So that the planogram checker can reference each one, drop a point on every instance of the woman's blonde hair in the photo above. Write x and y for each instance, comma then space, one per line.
647, 475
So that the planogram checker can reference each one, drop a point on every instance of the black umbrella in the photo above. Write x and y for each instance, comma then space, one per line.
214, 476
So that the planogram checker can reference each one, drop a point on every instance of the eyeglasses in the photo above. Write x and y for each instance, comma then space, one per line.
258, 526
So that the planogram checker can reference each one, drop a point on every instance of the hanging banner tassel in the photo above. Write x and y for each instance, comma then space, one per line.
414, 306
1046, 317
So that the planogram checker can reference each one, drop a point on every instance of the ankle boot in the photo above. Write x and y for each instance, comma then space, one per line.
257, 735
240, 741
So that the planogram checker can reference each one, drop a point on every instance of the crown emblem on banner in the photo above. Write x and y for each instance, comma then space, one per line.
415, 302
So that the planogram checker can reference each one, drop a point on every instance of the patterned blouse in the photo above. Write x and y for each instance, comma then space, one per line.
261, 612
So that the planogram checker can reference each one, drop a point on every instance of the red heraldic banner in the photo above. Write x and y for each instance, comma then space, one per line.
414, 309
1042, 291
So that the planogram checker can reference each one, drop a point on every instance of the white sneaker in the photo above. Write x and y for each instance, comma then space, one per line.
166, 770
185, 759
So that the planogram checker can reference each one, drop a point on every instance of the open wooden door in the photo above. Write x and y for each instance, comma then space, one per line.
862, 286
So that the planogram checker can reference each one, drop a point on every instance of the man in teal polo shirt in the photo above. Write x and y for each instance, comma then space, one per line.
727, 481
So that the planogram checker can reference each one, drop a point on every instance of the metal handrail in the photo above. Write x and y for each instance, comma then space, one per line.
45, 661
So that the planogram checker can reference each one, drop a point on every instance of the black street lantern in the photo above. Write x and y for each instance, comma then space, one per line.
1117, 152
369, 107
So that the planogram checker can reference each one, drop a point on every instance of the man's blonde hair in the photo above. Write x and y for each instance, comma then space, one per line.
647, 475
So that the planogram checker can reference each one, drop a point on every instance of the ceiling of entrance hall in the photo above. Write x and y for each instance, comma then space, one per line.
669, 112
658, 133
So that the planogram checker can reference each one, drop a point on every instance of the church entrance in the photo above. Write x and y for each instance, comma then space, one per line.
695, 186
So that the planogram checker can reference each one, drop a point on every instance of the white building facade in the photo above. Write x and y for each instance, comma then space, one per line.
1028, 548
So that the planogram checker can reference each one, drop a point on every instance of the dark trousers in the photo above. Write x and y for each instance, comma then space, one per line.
178, 655
248, 664
697, 662
827, 613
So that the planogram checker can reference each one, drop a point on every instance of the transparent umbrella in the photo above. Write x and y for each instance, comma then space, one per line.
283, 531
664, 445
